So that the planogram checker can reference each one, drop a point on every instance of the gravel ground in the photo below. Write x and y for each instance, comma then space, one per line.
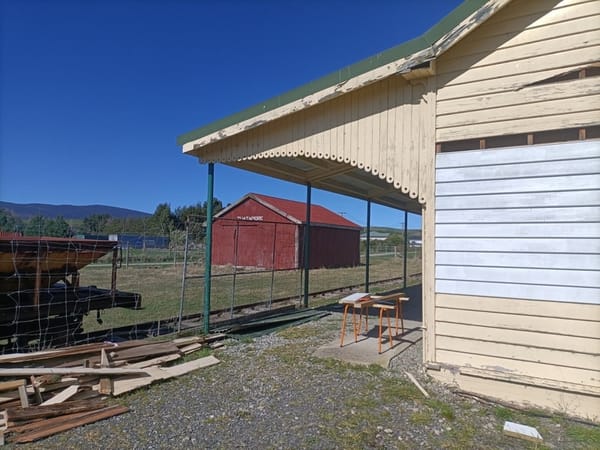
271, 393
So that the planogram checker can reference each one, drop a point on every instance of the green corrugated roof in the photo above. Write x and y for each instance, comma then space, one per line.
403, 50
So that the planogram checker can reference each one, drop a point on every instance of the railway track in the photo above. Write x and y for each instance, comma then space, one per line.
220, 318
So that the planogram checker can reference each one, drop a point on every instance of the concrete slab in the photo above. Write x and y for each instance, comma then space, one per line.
365, 350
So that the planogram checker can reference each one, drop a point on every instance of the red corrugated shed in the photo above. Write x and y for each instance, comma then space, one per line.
263, 231
318, 214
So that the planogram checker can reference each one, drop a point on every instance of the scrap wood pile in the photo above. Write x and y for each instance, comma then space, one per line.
56, 390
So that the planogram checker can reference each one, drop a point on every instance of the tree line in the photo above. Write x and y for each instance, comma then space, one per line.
164, 222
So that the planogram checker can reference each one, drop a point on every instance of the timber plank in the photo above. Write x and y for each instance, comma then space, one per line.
35, 424
11, 385
67, 351
69, 371
155, 361
40, 412
191, 348
62, 395
94, 417
181, 369
145, 351
162, 373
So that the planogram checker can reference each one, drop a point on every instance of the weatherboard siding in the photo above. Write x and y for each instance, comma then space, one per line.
526, 246
518, 275
385, 128
485, 83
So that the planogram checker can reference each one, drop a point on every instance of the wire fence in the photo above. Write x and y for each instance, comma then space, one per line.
52, 298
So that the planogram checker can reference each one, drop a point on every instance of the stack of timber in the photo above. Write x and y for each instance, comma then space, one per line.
51, 391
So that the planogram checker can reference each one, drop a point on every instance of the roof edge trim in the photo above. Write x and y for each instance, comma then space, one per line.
395, 60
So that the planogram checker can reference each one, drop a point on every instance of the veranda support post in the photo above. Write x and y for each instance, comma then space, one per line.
307, 245
208, 243
368, 246
405, 245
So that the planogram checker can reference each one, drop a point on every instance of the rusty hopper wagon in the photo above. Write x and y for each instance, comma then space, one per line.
41, 301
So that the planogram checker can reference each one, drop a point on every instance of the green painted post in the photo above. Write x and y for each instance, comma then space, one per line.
307, 245
208, 243
405, 244
368, 246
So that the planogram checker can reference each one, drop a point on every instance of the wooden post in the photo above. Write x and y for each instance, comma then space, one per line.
113, 281
36, 390
38, 278
106, 383
23, 396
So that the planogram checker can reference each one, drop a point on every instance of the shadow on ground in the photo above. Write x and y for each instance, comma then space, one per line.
365, 350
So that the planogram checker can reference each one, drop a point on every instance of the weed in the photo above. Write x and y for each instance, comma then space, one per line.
503, 413
461, 437
297, 332
587, 436
399, 388
443, 408
422, 417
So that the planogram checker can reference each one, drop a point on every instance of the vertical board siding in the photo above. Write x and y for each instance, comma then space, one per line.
479, 246
385, 129
486, 82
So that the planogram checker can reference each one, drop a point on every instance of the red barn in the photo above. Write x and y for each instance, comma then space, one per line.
263, 231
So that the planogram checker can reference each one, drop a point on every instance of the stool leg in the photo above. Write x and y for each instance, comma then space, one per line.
398, 306
380, 328
354, 324
387, 313
401, 316
344, 325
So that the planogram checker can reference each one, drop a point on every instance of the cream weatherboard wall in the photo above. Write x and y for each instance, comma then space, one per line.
499, 79
517, 230
380, 128
517, 268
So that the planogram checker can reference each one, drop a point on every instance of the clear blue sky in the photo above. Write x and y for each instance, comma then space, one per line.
94, 93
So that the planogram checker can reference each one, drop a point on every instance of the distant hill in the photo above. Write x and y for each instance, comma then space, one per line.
26, 211
412, 234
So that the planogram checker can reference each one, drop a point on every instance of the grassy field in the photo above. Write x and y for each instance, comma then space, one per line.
161, 286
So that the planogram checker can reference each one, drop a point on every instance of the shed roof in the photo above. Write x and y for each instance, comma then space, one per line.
295, 211
422, 44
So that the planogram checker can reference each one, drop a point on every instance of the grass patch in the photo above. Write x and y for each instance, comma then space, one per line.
504, 413
342, 367
160, 287
290, 354
400, 389
587, 436
461, 437
297, 332
444, 409
421, 417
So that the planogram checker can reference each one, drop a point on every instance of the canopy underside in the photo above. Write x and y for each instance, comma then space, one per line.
332, 176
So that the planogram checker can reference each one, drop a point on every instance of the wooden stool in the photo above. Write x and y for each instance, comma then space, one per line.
355, 301
385, 306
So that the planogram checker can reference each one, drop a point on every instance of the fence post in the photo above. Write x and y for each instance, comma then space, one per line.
185, 253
